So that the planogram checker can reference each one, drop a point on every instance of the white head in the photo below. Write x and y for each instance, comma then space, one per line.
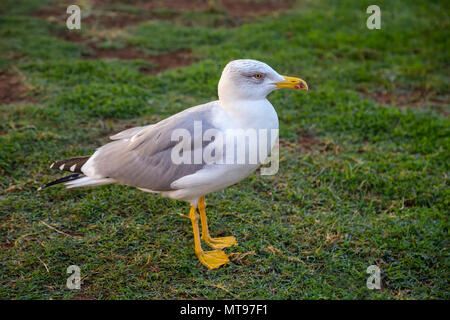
247, 79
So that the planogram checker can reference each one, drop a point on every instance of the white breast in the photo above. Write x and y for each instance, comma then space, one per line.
244, 115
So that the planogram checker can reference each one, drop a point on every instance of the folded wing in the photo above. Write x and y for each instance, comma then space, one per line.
142, 156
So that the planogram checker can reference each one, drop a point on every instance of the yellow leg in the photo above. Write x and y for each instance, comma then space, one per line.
211, 259
216, 243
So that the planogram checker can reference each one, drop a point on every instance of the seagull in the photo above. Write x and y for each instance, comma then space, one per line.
168, 157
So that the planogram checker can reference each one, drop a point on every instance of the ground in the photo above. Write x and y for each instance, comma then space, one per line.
363, 177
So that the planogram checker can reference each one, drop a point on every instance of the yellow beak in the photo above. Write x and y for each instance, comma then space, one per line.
293, 83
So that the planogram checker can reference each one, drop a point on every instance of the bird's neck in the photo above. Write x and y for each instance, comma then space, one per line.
252, 113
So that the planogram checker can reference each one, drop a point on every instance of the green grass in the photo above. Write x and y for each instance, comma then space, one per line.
372, 188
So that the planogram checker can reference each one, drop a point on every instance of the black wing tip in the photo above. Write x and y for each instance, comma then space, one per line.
70, 177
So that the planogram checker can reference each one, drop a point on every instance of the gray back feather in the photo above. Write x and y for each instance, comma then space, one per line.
126, 134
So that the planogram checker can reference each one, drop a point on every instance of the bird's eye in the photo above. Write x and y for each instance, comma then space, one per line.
258, 76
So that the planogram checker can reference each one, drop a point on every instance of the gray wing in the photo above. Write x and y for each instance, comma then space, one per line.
144, 159
128, 133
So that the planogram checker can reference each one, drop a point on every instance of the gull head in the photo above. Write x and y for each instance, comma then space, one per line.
247, 79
